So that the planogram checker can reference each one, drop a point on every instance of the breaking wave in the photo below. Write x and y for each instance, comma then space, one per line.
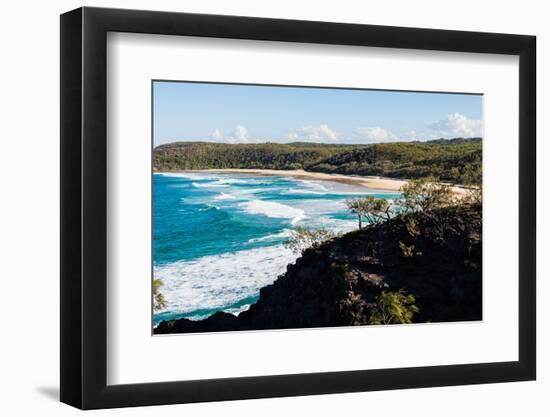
273, 209
196, 289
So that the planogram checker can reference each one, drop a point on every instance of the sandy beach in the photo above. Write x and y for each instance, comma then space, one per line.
373, 183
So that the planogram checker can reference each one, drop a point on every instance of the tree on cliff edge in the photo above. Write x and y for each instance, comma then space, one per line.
303, 238
425, 195
373, 210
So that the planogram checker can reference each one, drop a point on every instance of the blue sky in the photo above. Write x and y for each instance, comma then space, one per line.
231, 113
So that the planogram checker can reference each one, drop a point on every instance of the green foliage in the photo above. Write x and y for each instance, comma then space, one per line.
373, 210
455, 160
340, 269
159, 302
303, 238
411, 224
395, 307
471, 174
425, 195
407, 251
203, 155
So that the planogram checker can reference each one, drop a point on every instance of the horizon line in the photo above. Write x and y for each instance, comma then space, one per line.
416, 141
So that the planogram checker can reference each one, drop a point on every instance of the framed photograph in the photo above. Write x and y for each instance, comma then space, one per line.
257, 208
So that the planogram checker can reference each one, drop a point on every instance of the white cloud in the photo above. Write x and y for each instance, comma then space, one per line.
216, 134
239, 134
375, 134
410, 136
455, 125
321, 133
452, 126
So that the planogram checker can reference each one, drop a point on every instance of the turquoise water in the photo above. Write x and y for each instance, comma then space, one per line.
218, 238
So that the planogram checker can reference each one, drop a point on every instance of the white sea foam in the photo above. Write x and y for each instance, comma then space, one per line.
224, 182
208, 207
224, 196
314, 185
207, 184
333, 192
187, 175
214, 282
274, 210
336, 188
237, 181
235, 310
329, 192
336, 225
300, 191
320, 207
274, 236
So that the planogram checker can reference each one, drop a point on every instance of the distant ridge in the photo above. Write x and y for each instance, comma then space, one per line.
457, 160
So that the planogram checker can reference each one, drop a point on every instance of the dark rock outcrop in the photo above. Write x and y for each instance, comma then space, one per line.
436, 257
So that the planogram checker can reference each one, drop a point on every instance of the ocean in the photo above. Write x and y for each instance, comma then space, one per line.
218, 238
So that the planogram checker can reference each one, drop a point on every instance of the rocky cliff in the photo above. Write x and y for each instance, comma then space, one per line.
434, 256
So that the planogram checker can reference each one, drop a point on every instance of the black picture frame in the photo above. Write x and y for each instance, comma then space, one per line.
84, 207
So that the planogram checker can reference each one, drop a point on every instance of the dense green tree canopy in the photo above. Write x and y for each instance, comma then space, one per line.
455, 160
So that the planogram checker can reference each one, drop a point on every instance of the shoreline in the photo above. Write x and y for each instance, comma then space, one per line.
370, 182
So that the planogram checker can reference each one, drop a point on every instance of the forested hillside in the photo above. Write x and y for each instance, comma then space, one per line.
203, 155
455, 160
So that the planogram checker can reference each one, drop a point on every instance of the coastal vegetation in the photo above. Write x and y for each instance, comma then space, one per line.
454, 160
393, 307
373, 210
208, 155
159, 302
303, 238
